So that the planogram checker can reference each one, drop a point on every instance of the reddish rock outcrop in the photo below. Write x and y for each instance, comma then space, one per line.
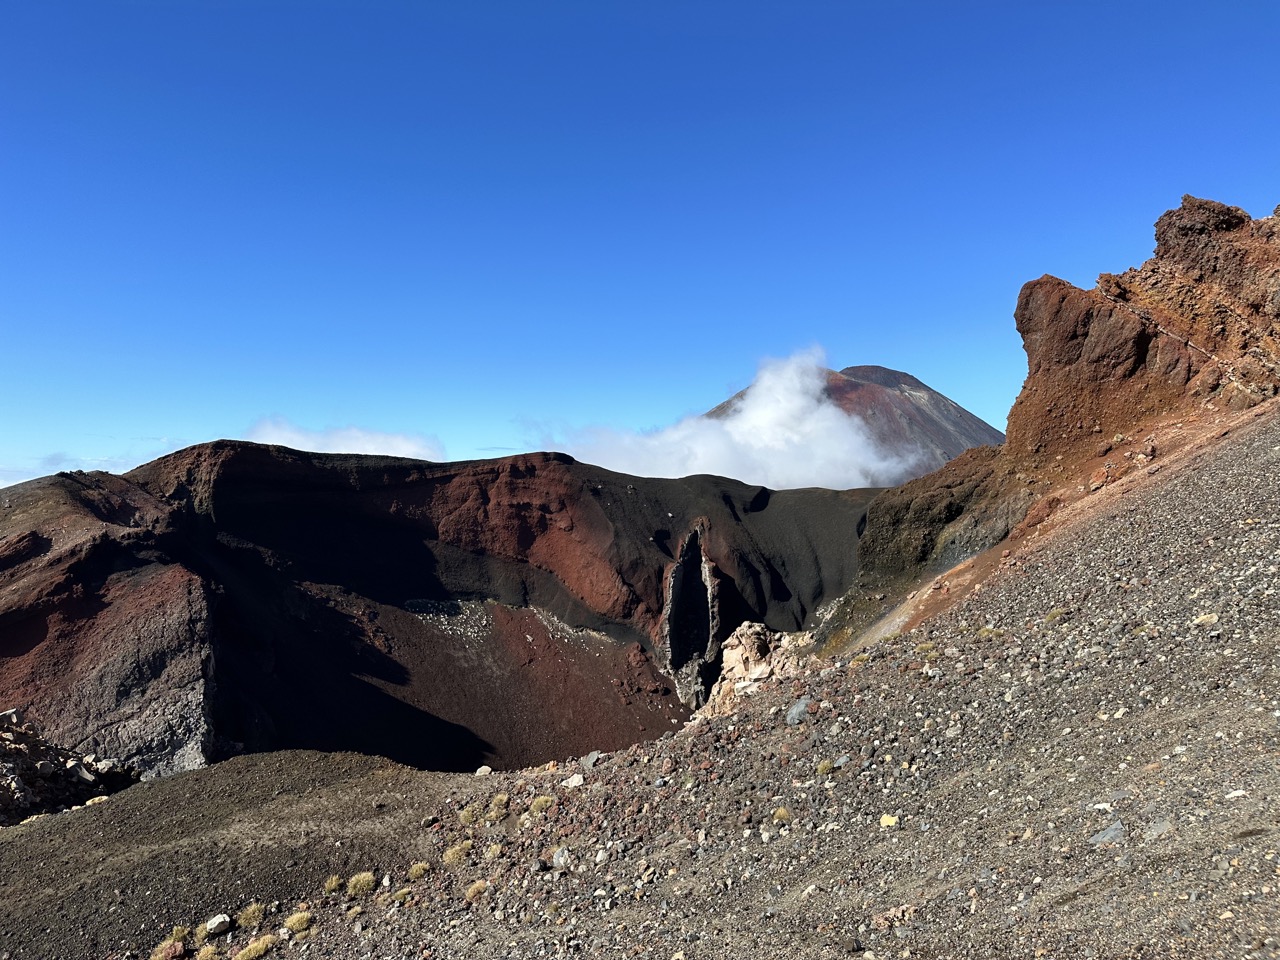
1194, 329
1195, 324
234, 596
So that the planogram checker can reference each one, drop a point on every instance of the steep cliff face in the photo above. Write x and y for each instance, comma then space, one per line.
1194, 329
233, 596
106, 635
1195, 324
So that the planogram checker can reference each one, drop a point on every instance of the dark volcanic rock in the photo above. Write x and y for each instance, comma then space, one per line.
233, 596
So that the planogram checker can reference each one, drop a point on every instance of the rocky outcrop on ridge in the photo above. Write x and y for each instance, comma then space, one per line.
1193, 330
1198, 323
235, 597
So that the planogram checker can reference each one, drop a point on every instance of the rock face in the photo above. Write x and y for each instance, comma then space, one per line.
1196, 323
1197, 326
901, 414
233, 596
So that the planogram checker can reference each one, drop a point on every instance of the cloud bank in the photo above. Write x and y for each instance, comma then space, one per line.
345, 440
783, 433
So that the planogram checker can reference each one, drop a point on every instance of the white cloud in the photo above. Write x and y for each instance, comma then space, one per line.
345, 440
783, 433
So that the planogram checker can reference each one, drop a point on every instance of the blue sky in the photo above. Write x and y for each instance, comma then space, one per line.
486, 227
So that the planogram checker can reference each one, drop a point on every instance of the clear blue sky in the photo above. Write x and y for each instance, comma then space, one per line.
487, 222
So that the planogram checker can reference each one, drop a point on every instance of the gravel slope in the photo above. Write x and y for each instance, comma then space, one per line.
1078, 761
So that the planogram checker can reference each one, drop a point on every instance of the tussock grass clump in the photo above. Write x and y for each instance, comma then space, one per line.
825, 767
362, 884
168, 949
456, 855
494, 851
258, 947
541, 804
250, 918
297, 922
333, 884
208, 952
418, 870
477, 890
470, 813
497, 807
782, 815
990, 631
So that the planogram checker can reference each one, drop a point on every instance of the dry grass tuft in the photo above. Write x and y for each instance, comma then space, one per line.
250, 918
168, 949
497, 807
456, 855
362, 884
418, 870
333, 884
258, 947
297, 922
477, 890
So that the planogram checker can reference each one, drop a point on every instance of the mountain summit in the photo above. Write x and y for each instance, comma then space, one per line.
902, 415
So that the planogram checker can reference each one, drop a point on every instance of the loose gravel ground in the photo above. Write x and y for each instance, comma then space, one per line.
1080, 760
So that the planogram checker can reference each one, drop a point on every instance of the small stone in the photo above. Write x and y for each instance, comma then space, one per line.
574, 781
797, 711
591, 759
44, 768
1113, 834
1237, 794
1157, 829
484, 771
11, 718
888, 820
216, 926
